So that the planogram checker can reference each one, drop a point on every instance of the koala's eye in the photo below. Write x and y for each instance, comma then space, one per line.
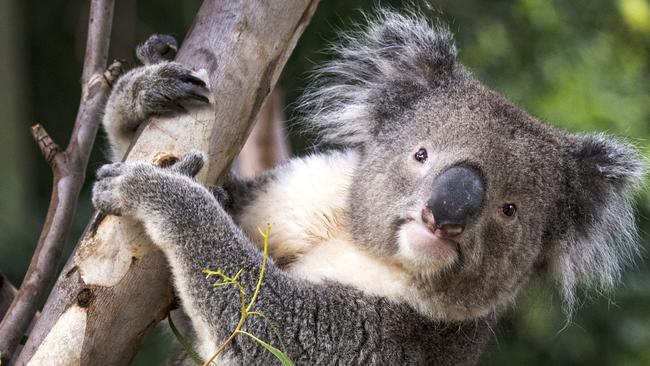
421, 155
509, 209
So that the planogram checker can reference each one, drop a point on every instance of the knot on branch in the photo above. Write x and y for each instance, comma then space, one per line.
85, 297
48, 147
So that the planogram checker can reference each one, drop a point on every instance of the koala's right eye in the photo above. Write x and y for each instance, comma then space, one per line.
421, 155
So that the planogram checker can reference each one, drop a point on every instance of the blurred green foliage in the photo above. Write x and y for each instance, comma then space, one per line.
582, 65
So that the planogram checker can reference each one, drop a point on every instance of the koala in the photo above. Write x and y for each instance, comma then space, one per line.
405, 242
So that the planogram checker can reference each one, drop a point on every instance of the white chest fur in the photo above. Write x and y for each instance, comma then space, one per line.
305, 204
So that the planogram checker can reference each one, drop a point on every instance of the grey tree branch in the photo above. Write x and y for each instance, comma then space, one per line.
267, 144
69, 169
7, 294
117, 286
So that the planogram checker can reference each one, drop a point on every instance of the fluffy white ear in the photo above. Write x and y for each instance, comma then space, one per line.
600, 237
376, 73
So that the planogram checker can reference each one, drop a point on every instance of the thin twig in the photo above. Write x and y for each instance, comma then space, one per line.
69, 170
246, 310
48, 147
7, 294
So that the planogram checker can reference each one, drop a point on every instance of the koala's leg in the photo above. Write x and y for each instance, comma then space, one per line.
158, 88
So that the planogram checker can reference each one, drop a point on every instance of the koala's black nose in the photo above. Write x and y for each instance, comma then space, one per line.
457, 195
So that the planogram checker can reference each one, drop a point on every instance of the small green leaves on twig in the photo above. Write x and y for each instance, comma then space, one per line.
246, 310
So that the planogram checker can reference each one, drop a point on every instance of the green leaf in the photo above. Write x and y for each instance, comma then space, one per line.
286, 361
271, 325
184, 343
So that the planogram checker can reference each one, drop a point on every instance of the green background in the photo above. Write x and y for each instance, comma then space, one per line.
581, 65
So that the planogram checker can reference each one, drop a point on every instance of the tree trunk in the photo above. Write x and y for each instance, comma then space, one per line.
116, 286
267, 144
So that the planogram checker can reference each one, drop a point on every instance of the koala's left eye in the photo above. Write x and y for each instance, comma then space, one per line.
421, 155
509, 209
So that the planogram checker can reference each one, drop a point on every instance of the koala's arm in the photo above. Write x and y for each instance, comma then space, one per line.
319, 324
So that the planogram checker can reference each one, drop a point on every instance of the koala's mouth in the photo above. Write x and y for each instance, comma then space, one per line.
428, 221
422, 243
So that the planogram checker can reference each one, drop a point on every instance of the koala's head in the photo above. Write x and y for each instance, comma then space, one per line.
468, 192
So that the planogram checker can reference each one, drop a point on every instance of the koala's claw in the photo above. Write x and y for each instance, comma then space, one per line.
173, 106
199, 97
154, 49
194, 80
167, 87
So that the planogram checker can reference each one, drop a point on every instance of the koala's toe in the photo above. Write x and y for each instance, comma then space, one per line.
105, 197
191, 163
156, 49
110, 170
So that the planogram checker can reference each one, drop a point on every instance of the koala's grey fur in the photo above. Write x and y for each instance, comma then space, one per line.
394, 88
383, 75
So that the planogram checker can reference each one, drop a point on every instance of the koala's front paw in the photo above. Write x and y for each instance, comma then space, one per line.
122, 188
113, 191
163, 88
159, 89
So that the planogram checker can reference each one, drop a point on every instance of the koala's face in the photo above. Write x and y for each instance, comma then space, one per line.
461, 190
466, 191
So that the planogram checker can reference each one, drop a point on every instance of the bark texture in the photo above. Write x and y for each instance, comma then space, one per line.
117, 286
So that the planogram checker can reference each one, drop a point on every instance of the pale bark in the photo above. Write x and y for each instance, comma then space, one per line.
117, 286
69, 170
267, 144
